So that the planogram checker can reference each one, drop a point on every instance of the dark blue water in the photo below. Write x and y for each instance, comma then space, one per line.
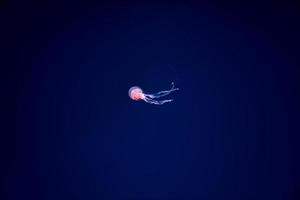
75, 134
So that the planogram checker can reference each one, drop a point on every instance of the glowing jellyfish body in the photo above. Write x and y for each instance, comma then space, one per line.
136, 93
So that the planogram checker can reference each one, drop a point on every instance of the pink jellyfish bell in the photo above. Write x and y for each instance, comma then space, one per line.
136, 94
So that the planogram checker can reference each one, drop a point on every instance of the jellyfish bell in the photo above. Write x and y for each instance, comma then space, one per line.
135, 93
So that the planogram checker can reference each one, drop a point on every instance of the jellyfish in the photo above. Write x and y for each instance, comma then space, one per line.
137, 94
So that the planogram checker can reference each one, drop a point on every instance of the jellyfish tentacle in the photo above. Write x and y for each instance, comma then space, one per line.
162, 93
156, 102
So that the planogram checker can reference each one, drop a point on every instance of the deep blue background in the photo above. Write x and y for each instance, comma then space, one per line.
72, 132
